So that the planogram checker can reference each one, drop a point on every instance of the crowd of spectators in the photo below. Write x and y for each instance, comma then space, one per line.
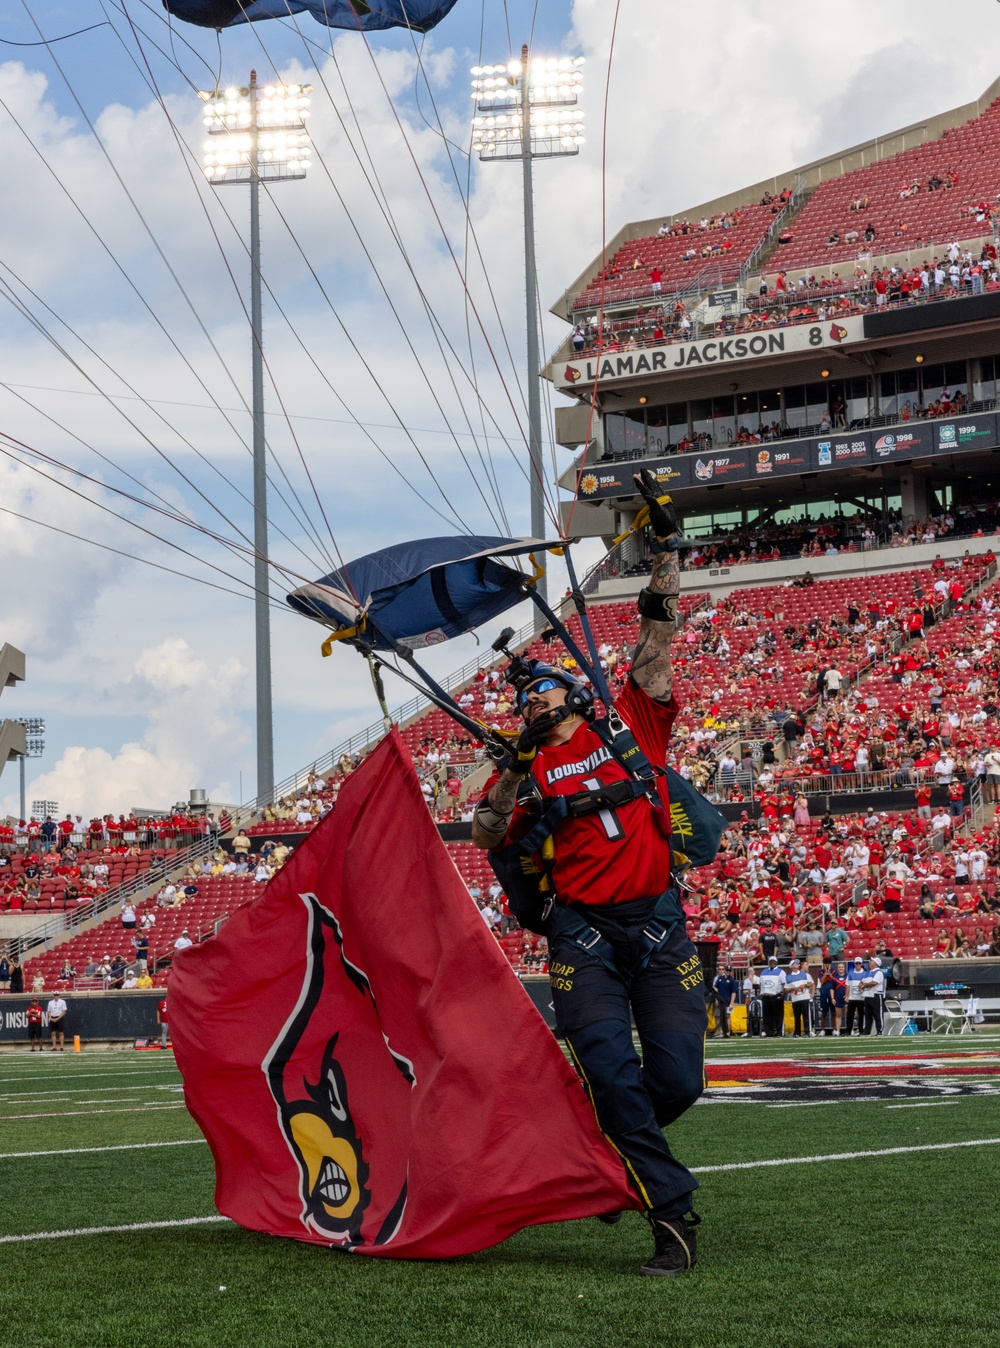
785, 302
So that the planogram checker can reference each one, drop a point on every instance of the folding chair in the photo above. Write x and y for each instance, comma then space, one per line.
949, 1017
895, 1020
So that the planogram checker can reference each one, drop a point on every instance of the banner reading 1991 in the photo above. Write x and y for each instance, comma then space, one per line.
677, 356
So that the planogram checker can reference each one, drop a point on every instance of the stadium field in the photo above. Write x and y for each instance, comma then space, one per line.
834, 1225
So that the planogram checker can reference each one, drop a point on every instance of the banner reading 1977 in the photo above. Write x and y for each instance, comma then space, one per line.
656, 360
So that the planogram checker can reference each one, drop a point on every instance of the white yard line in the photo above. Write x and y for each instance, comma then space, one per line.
110, 1230
931, 1104
698, 1170
846, 1155
129, 1072
70, 1113
118, 1146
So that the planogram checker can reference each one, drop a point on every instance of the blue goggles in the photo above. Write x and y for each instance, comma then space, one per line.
539, 686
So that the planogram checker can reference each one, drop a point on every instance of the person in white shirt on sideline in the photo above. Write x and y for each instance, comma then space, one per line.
56, 1012
772, 996
855, 998
800, 988
873, 988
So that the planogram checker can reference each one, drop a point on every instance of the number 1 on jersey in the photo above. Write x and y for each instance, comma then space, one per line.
612, 829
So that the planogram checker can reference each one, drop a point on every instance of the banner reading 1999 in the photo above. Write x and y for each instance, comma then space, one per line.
677, 356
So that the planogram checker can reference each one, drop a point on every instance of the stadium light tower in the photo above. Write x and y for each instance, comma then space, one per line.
258, 135
527, 110
34, 728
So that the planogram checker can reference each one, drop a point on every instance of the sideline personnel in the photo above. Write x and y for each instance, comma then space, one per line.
618, 948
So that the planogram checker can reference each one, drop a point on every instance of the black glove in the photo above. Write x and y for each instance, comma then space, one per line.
530, 738
662, 518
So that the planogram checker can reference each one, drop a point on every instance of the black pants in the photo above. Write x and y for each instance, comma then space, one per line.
873, 1015
596, 992
722, 1017
855, 1011
774, 1016
800, 1017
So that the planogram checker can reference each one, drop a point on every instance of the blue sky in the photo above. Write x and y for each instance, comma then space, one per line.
124, 350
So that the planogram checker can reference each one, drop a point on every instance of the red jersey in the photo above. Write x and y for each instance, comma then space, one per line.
34, 1014
611, 856
162, 1009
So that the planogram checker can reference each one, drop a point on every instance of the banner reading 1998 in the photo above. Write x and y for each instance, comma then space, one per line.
677, 356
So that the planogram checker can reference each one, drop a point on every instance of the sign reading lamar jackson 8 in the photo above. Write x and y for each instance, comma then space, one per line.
676, 356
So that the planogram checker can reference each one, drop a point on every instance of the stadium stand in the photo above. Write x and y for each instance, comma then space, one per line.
950, 194
664, 264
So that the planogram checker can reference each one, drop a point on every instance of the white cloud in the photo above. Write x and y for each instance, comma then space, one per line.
191, 725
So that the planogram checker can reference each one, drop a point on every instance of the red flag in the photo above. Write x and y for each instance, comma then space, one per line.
364, 1063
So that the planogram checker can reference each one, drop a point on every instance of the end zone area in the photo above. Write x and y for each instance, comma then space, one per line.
846, 1185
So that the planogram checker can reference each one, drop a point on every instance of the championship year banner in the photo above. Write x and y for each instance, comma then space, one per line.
978, 432
659, 360
912, 440
603, 480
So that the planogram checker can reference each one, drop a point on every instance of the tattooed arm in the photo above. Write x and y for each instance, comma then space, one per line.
651, 668
493, 813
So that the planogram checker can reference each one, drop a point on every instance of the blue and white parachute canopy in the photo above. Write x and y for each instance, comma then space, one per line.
368, 15
421, 593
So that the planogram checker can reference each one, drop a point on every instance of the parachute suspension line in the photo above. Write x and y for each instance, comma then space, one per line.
604, 263
159, 538
47, 41
467, 197
553, 513
134, 557
40, 327
374, 378
20, 448
580, 604
375, 670
457, 518
156, 245
379, 197
182, 146
465, 194
371, 176
149, 309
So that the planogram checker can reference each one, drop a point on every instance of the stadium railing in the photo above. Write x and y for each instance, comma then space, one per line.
73, 920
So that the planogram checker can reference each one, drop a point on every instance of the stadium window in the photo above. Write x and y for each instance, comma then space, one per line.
907, 388
932, 382
677, 422
856, 395
746, 412
723, 419
988, 375
816, 403
956, 376
657, 438
625, 433
795, 406
701, 416
887, 393
697, 526
769, 406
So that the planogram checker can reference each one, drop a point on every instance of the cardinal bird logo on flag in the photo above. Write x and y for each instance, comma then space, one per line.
366, 1067
837, 333
313, 1097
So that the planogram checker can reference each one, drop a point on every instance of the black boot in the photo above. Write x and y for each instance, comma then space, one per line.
610, 1218
676, 1247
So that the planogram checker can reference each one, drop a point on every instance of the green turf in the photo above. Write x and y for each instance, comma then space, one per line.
780, 1257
